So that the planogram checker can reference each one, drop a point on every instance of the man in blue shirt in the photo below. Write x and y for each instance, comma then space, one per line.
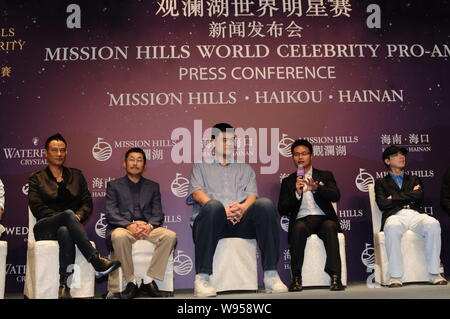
400, 197
226, 205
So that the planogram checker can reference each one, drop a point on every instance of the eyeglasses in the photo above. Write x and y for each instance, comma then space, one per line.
301, 154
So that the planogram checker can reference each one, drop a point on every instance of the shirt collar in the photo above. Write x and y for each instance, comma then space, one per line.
65, 174
310, 172
131, 183
217, 161
397, 176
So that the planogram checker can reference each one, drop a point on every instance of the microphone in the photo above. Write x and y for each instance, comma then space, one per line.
300, 171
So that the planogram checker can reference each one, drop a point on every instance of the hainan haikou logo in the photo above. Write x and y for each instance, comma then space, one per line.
363, 180
180, 186
284, 145
182, 264
102, 151
100, 226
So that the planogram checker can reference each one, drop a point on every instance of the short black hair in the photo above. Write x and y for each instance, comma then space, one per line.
135, 150
220, 127
55, 137
301, 142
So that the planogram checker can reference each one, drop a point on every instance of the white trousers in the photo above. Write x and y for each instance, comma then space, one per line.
421, 224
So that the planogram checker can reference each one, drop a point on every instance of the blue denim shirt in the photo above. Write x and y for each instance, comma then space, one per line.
229, 183
397, 179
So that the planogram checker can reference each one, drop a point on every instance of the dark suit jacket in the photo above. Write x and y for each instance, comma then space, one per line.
386, 186
445, 192
43, 190
327, 192
119, 205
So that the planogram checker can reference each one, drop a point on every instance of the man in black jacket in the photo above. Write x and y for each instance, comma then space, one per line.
60, 200
399, 196
306, 197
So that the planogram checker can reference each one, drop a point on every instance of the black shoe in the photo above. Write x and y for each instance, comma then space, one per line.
130, 292
150, 289
103, 266
296, 284
64, 292
336, 283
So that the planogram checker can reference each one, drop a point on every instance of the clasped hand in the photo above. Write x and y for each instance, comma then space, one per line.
139, 229
235, 212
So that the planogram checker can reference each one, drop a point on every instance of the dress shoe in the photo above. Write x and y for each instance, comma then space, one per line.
438, 280
395, 283
202, 287
150, 290
273, 283
336, 283
296, 284
130, 292
64, 292
103, 266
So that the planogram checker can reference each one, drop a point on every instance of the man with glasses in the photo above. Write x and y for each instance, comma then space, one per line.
399, 196
306, 196
226, 205
60, 200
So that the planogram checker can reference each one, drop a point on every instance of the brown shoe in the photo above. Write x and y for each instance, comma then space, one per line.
395, 283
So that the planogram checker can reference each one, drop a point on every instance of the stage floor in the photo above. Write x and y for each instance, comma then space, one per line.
353, 291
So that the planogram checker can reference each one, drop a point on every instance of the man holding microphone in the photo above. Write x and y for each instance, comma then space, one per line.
306, 197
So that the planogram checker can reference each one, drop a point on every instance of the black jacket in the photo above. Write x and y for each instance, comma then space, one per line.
386, 186
327, 192
445, 192
43, 190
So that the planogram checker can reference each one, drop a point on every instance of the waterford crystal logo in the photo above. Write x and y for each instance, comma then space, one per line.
284, 221
25, 189
284, 145
102, 151
35, 141
363, 180
100, 226
180, 186
182, 263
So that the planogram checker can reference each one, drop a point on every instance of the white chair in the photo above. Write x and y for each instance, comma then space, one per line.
142, 254
3, 253
234, 265
313, 273
413, 250
42, 274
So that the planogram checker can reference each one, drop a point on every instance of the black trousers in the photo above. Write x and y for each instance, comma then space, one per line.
327, 230
260, 222
68, 231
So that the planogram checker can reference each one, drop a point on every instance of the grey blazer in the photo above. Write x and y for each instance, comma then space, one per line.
119, 205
